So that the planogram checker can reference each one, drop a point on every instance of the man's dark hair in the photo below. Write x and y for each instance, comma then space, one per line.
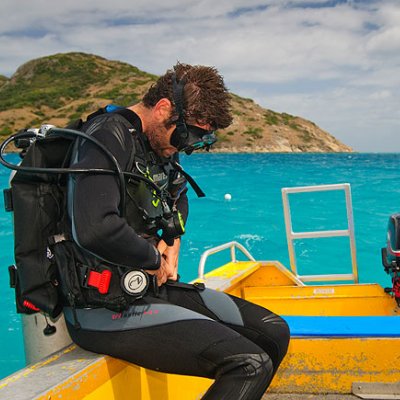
206, 99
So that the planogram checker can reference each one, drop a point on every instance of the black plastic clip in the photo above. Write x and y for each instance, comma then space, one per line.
8, 203
12, 271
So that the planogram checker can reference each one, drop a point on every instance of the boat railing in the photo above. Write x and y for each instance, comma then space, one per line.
291, 236
230, 245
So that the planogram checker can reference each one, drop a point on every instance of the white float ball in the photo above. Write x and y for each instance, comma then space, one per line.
228, 196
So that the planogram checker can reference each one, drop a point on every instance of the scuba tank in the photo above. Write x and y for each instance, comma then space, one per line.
36, 198
36, 202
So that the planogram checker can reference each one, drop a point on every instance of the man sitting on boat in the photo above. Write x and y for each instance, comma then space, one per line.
128, 302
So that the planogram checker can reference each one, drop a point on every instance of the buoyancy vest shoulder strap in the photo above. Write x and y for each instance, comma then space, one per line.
135, 121
191, 181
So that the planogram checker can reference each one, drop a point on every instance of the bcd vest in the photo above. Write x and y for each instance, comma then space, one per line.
51, 269
89, 281
145, 209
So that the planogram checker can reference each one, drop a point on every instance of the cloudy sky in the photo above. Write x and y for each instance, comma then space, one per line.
335, 62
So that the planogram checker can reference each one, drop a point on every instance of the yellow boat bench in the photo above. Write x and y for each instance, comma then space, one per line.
75, 374
330, 300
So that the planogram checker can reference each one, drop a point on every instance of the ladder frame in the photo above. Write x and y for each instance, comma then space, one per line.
291, 236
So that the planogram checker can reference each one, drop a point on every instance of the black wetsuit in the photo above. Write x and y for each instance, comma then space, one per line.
181, 329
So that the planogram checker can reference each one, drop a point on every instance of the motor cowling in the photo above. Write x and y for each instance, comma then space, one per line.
391, 255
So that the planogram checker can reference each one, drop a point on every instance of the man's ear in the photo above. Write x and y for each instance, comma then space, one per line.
162, 110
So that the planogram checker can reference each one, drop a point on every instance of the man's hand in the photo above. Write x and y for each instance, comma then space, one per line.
160, 273
169, 262
171, 255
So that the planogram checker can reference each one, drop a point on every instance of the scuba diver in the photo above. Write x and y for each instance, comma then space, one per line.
117, 259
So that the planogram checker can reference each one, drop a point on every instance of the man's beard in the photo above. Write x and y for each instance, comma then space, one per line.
156, 133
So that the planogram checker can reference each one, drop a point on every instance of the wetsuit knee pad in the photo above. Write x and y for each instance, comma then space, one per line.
250, 366
236, 353
242, 376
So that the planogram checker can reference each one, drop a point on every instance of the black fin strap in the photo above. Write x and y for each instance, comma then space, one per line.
191, 181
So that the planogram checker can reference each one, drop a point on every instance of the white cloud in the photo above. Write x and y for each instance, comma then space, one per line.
348, 53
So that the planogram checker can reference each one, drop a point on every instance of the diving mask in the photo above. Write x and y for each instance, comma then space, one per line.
187, 137
192, 138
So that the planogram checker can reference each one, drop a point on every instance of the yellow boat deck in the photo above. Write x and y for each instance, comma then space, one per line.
319, 364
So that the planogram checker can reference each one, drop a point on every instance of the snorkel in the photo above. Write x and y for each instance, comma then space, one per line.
188, 138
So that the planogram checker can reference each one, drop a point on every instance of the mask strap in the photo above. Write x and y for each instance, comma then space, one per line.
177, 88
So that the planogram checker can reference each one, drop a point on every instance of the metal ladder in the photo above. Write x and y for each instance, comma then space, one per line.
290, 235
230, 245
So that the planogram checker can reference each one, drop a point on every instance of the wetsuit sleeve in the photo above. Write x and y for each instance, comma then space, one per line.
96, 221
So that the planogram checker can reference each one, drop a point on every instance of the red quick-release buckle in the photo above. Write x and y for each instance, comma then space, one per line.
99, 280
31, 306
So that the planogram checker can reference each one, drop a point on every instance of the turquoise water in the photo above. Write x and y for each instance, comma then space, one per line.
254, 217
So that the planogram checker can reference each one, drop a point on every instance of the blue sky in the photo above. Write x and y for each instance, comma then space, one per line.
335, 62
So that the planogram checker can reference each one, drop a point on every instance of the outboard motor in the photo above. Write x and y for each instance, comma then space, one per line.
391, 255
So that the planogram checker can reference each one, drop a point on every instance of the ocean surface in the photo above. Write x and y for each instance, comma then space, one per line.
254, 217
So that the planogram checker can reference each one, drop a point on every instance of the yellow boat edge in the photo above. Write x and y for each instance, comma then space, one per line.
313, 364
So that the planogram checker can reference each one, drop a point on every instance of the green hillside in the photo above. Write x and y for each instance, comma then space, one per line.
63, 87
3, 80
